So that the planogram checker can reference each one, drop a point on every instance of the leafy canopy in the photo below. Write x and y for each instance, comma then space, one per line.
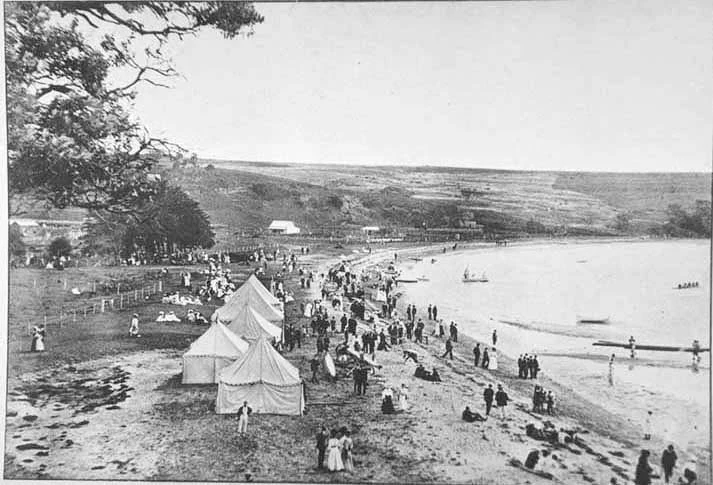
71, 70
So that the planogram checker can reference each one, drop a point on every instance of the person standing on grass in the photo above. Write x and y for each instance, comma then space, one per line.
243, 414
347, 444
449, 349
435, 312
493, 365
322, 440
668, 462
430, 311
134, 326
334, 459
476, 354
314, 366
501, 399
488, 394
486, 359
495, 338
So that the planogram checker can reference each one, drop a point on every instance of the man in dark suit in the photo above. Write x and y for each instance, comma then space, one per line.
488, 395
322, 439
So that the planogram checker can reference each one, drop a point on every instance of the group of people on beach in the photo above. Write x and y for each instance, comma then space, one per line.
645, 472
337, 447
542, 398
527, 366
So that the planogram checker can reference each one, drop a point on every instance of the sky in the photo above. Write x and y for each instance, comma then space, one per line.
544, 85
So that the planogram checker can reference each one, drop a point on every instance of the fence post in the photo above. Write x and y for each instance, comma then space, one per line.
142, 293
65, 283
102, 307
118, 288
111, 303
45, 321
121, 302
94, 287
160, 285
74, 316
85, 313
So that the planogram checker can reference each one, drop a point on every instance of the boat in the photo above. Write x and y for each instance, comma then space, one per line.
468, 278
660, 348
416, 259
592, 319
422, 278
407, 279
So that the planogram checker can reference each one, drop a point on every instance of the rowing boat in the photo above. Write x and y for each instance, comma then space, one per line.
593, 319
660, 348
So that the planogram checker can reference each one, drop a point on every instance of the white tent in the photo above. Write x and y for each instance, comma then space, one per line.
249, 325
247, 295
254, 285
216, 349
264, 379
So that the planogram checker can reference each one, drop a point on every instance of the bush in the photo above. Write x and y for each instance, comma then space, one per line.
60, 247
15, 244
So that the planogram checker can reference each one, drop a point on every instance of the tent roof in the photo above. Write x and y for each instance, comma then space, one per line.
250, 325
262, 363
247, 295
253, 284
281, 225
219, 341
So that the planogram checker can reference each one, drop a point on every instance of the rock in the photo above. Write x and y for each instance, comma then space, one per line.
42, 453
30, 418
32, 446
11, 414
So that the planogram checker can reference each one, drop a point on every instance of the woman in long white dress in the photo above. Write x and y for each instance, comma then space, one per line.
403, 397
40, 343
347, 444
334, 458
493, 360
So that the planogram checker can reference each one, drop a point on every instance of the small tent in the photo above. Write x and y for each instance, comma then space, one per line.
264, 379
217, 348
249, 325
248, 295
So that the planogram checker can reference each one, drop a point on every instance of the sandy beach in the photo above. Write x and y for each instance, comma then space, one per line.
94, 407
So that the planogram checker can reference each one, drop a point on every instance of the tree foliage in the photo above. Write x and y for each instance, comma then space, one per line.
60, 247
15, 243
71, 70
174, 221
696, 223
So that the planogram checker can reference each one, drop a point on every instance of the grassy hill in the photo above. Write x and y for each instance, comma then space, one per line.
243, 197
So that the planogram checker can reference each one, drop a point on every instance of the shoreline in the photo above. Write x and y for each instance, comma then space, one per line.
178, 436
570, 405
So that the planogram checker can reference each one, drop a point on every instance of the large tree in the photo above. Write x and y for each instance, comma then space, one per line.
174, 221
72, 69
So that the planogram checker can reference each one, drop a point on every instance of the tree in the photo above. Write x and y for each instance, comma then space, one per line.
60, 247
174, 221
71, 71
15, 244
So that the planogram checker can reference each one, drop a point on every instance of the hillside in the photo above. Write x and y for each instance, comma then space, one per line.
247, 196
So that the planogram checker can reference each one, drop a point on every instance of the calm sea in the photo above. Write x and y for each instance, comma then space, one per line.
535, 293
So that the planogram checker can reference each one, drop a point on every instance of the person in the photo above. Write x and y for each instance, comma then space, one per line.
495, 338
134, 326
647, 428
347, 444
493, 360
441, 330
243, 414
550, 402
488, 394
643, 469
449, 349
387, 401
471, 417
486, 359
611, 361
476, 354
410, 355
695, 350
501, 399
430, 311
668, 462
334, 458
454, 331
632, 346
435, 312
38, 339
322, 440
314, 366
403, 397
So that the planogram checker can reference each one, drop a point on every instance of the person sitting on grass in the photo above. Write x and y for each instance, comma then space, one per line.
387, 401
471, 417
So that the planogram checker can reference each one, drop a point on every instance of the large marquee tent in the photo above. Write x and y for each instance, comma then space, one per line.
253, 284
210, 353
263, 378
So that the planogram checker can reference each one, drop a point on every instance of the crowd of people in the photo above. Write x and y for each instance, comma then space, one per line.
337, 447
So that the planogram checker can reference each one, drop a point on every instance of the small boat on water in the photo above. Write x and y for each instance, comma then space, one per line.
423, 278
416, 259
468, 278
593, 319
660, 348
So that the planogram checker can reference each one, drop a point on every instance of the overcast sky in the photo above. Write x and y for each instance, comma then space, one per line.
571, 85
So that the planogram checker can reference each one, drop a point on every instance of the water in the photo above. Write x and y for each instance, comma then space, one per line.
535, 293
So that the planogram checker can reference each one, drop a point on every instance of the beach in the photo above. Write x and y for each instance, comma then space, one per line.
127, 416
